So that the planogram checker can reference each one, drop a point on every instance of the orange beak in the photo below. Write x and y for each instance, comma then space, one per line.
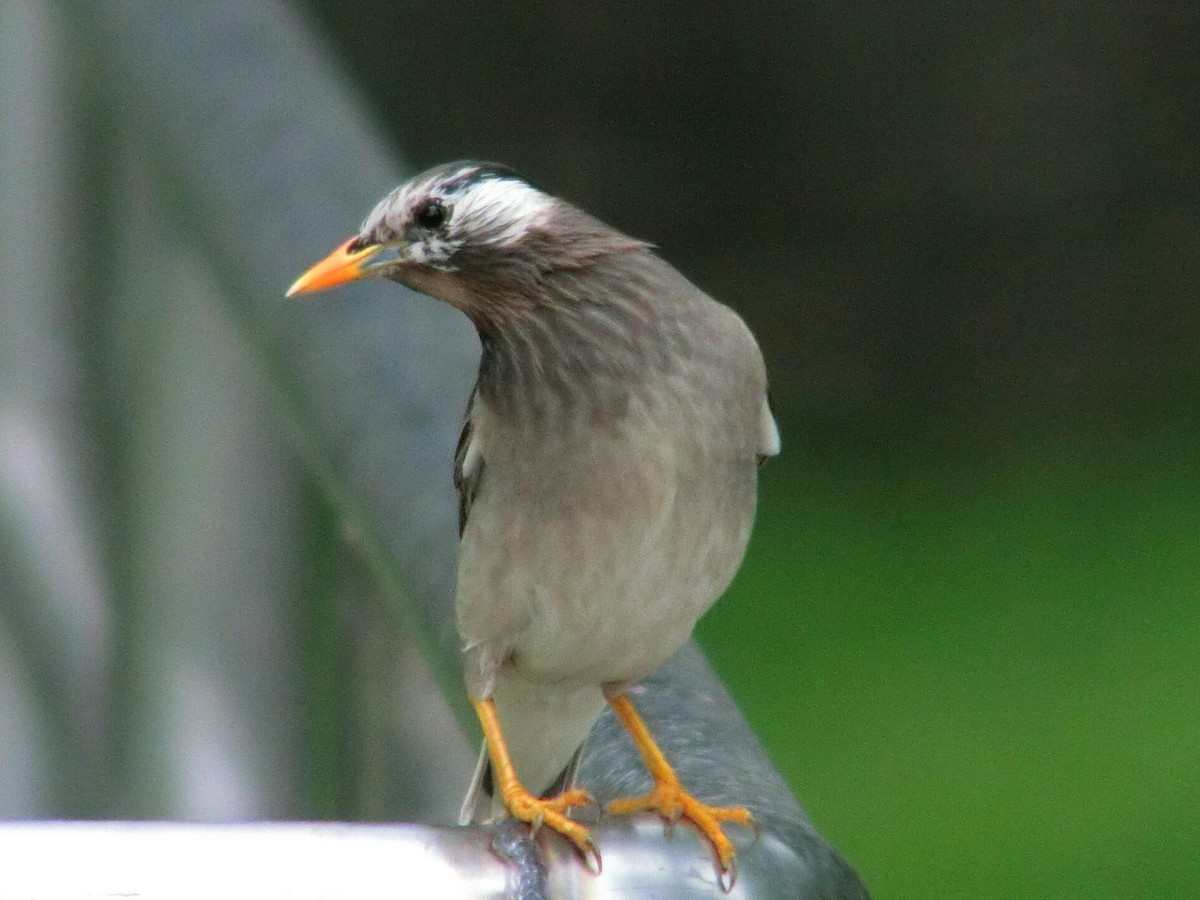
342, 265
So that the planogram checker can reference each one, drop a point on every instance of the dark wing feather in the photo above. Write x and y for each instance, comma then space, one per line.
468, 467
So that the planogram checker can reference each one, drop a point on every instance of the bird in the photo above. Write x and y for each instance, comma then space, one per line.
606, 475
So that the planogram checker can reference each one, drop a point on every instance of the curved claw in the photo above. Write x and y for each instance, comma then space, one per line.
727, 876
753, 823
591, 857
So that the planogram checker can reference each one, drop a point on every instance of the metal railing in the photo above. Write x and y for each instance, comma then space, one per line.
272, 156
165, 860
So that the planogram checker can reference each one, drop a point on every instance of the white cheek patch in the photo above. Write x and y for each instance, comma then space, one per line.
502, 209
433, 250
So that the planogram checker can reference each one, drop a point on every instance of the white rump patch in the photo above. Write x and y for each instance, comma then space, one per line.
769, 442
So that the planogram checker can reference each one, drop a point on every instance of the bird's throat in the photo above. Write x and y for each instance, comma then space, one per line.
562, 368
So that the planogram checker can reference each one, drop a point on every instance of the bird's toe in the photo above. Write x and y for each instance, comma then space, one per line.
550, 812
671, 801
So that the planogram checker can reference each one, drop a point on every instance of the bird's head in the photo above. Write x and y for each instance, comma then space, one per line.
468, 233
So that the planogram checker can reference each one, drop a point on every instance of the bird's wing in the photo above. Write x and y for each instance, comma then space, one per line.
769, 442
481, 802
468, 465
468, 468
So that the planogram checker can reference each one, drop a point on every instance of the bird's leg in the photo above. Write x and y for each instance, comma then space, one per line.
524, 806
669, 798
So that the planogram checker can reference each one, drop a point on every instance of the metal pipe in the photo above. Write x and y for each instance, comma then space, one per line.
299, 860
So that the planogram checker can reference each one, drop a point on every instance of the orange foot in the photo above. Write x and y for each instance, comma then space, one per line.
671, 800
526, 807
551, 812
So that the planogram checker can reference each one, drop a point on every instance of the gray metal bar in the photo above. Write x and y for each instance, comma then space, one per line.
271, 160
299, 860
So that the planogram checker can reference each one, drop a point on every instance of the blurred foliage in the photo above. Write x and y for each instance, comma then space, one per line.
982, 680
968, 626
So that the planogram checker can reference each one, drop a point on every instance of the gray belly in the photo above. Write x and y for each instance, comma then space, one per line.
581, 579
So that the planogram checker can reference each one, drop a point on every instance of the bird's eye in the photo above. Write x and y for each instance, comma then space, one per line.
431, 214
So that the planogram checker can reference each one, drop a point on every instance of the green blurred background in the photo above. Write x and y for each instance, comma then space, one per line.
966, 234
